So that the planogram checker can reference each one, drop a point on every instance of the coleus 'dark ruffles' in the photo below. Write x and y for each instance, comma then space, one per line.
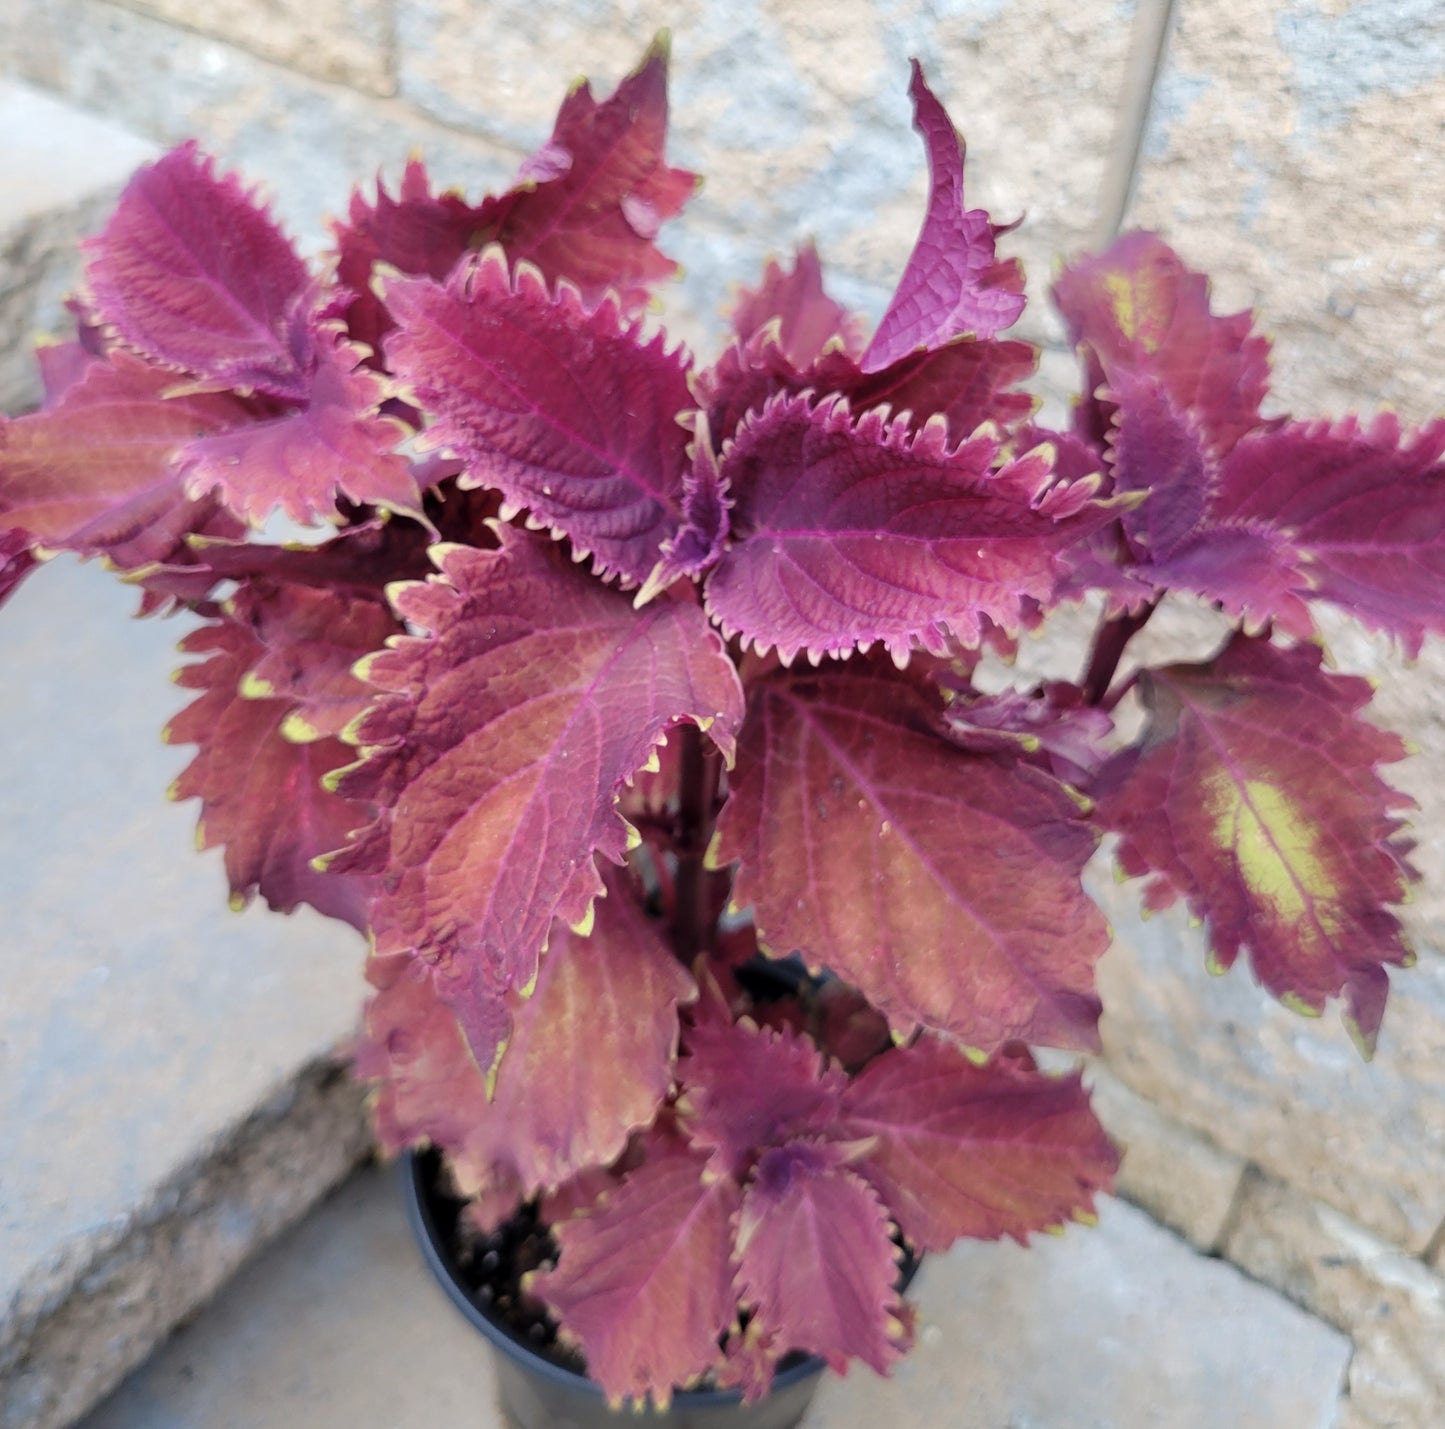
618, 676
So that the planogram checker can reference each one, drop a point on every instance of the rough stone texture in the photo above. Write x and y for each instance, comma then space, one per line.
1181, 1178
348, 41
1390, 1304
181, 1247
1294, 152
308, 143
142, 1022
798, 117
338, 1326
59, 170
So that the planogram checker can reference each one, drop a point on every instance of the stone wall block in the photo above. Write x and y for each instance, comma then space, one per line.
347, 41
1294, 153
306, 142
1391, 1305
1180, 1177
799, 117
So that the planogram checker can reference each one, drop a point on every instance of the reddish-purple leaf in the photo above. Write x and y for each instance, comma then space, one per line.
94, 474
17, 560
980, 1151
299, 462
848, 532
1254, 792
606, 1001
1362, 512
568, 412
945, 886
261, 795
799, 318
192, 271
309, 641
590, 203
1050, 726
816, 1260
499, 751
643, 1283
1139, 311
748, 1087
1158, 450
61, 366
954, 283
417, 232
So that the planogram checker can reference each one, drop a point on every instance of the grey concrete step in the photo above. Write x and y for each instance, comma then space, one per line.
167, 1098
340, 1326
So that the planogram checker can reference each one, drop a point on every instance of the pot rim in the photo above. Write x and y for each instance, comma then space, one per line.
414, 1177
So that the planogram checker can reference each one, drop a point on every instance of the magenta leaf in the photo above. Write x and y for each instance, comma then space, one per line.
643, 1283
261, 794
954, 283
590, 204
417, 233
748, 1087
609, 1000
816, 1260
567, 411
1140, 312
94, 473
309, 641
796, 315
1051, 726
299, 462
1346, 513
500, 747
192, 272
846, 532
944, 886
1254, 792
980, 1151
17, 560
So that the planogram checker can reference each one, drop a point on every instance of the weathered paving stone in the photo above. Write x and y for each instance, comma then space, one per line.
344, 40
157, 1116
1390, 1304
340, 1325
1294, 151
60, 170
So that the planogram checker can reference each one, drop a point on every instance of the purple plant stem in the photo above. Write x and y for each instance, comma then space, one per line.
692, 930
1110, 642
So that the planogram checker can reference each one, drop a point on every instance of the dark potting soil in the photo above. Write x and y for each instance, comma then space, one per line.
492, 1266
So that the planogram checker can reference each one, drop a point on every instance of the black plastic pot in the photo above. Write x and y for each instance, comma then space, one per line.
537, 1393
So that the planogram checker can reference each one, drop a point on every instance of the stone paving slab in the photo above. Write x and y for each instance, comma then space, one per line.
144, 1027
340, 1326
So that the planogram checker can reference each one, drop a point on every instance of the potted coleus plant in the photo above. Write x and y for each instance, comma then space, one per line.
629, 706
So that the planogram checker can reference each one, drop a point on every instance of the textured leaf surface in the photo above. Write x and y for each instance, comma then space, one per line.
816, 1260
979, 1151
848, 532
1141, 312
644, 1279
954, 283
590, 203
569, 413
1254, 792
94, 474
299, 462
261, 795
749, 1087
192, 271
799, 317
1361, 509
608, 1001
1050, 726
499, 752
309, 640
944, 886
